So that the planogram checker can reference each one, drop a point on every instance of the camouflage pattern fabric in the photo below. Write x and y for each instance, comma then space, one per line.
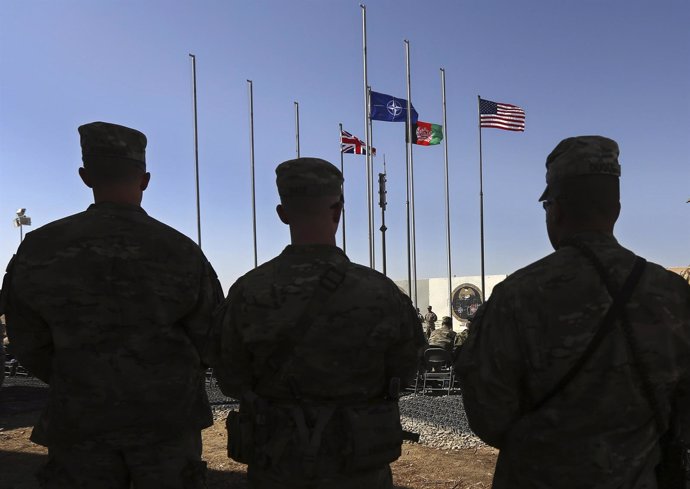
600, 431
461, 337
442, 337
367, 333
113, 309
173, 463
430, 322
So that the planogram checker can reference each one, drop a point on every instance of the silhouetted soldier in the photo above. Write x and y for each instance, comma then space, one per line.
112, 309
575, 366
316, 347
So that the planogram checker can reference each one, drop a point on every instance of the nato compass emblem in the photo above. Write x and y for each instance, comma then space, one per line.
394, 108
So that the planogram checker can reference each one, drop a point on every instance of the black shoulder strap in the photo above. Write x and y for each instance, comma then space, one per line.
620, 298
329, 282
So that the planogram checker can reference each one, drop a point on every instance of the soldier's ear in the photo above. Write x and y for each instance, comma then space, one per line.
282, 214
144, 183
84, 175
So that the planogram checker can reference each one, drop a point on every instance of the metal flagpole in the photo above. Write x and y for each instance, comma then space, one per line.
196, 152
366, 135
251, 163
409, 138
481, 194
371, 180
297, 126
445, 157
342, 170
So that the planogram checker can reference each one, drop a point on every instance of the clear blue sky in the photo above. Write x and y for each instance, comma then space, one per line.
617, 68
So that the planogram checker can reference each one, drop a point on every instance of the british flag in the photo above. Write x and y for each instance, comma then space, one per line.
352, 144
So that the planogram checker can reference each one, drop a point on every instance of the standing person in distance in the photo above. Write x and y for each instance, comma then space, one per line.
566, 406
316, 347
430, 320
113, 309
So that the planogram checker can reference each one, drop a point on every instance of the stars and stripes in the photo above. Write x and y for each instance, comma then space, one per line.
352, 144
501, 116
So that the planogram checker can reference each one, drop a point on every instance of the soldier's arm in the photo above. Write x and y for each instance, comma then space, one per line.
233, 369
29, 335
199, 322
682, 407
402, 358
490, 369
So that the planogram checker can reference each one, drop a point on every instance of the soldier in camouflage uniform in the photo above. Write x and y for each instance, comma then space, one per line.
444, 337
599, 430
112, 309
430, 321
316, 347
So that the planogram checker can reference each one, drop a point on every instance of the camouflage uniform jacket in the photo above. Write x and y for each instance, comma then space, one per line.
600, 431
430, 320
442, 337
367, 333
112, 309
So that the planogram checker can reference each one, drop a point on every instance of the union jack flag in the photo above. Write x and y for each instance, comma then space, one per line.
352, 144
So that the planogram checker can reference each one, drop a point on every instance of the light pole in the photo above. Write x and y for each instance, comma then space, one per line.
21, 220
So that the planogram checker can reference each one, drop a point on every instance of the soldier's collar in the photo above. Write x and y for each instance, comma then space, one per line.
114, 206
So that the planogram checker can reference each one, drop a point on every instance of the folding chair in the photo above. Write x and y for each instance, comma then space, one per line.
437, 368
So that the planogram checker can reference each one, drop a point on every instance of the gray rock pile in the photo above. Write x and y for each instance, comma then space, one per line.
440, 421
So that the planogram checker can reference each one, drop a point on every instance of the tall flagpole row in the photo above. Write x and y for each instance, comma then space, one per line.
196, 152
445, 159
481, 195
366, 135
342, 170
251, 164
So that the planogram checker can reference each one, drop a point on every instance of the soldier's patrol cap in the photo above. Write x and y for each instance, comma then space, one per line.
446, 320
308, 177
581, 155
106, 143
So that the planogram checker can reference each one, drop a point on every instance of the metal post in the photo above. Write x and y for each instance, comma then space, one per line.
250, 86
196, 153
382, 204
366, 135
370, 155
445, 157
409, 138
342, 170
297, 126
481, 195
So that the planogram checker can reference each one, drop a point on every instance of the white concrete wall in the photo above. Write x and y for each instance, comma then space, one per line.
434, 292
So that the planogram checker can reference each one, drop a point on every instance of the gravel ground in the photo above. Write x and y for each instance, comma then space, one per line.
439, 420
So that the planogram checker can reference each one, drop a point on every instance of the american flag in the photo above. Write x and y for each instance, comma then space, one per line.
352, 144
501, 116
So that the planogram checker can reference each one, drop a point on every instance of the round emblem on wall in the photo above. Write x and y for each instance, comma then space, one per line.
466, 300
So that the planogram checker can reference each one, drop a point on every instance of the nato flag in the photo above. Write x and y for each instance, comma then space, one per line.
387, 108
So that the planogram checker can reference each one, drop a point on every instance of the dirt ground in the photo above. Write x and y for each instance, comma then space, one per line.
420, 467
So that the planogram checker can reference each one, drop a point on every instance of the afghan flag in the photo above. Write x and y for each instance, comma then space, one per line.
426, 134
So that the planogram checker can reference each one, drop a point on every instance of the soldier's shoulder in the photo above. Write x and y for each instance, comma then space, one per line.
554, 263
373, 279
57, 227
45, 237
259, 276
666, 281
162, 230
